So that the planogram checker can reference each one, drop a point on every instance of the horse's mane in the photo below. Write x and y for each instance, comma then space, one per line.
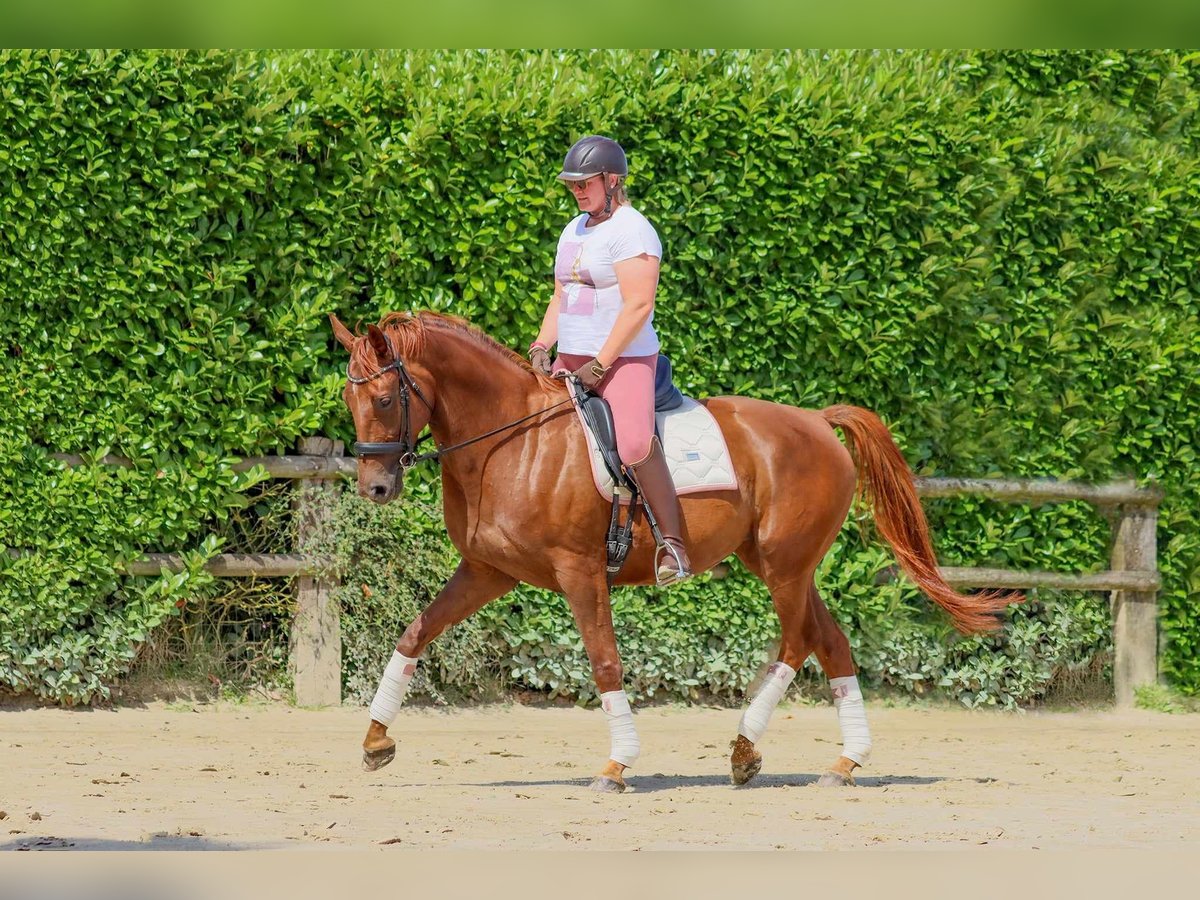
410, 333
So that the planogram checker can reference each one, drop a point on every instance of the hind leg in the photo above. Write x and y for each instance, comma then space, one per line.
805, 491
791, 600
833, 653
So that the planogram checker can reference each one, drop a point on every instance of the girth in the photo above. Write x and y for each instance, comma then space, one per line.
597, 415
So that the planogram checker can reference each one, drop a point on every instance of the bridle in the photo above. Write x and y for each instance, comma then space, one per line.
406, 447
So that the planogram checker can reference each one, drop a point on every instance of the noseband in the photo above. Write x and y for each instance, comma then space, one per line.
406, 447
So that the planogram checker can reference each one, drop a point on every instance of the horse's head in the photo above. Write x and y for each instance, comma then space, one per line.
389, 406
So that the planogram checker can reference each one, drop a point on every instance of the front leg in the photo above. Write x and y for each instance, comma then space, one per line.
591, 606
472, 586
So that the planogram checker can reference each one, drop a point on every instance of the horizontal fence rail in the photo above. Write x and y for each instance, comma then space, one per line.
1133, 578
229, 565
276, 466
1006, 578
301, 466
286, 565
1038, 490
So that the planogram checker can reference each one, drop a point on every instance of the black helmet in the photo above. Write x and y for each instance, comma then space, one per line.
593, 155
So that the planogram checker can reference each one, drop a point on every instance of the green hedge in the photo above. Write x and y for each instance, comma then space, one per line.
995, 251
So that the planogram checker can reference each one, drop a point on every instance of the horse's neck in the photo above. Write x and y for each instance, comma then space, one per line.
476, 390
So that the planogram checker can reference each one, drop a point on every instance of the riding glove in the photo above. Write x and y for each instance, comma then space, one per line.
591, 373
540, 358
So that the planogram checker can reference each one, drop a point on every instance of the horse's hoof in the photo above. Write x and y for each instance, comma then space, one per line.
377, 759
739, 775
835, 779
745, 762
602, 784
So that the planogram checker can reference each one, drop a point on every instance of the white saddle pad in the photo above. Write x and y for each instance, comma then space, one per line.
693, 444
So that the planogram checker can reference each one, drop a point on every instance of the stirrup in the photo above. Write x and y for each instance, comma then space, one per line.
678, 575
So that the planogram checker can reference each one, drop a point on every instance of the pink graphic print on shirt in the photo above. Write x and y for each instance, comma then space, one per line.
579, 291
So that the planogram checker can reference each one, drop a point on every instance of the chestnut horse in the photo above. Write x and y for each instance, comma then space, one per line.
521, 506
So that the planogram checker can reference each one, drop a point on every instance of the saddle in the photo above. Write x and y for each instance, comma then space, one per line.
598, 419
597, 415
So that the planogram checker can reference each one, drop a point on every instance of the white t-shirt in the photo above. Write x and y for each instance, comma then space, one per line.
591, 299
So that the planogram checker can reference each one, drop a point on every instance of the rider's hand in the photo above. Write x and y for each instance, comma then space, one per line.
539, 356
591, 373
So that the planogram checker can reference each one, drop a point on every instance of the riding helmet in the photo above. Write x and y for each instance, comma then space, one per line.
593, 155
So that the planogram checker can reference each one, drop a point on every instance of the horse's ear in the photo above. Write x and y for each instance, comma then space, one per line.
378, 342
341, 332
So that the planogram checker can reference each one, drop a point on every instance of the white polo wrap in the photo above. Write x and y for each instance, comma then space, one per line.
392, 688
626, 747
754, 720
852, 717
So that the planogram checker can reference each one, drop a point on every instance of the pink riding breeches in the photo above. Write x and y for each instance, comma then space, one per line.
629, 389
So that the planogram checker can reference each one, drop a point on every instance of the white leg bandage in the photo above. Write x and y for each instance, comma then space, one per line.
392, 688
758, 713
625, 744
856, 736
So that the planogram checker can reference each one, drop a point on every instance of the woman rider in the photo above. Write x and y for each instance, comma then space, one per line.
602, 315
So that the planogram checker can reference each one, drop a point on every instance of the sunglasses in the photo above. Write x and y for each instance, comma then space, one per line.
581, 185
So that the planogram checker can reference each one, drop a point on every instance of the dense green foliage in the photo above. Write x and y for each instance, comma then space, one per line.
995, 251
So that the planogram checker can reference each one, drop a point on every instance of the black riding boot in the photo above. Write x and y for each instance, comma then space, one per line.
658, 491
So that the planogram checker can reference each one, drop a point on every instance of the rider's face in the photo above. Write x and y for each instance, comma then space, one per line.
588, 192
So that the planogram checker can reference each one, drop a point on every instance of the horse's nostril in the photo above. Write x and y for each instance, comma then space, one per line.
378, 490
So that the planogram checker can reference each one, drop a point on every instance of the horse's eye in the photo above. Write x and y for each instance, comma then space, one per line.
386, 401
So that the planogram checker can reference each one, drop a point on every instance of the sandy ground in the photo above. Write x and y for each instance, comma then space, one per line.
511, 777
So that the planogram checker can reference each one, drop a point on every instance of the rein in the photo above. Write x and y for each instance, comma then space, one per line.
406, 447
444, 450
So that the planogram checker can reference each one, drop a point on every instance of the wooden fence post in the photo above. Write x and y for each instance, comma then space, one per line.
1135, 613
316, 642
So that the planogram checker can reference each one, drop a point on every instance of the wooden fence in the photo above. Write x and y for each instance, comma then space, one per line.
315, 652
1132, 577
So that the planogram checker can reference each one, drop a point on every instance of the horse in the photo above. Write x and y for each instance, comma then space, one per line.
520, 505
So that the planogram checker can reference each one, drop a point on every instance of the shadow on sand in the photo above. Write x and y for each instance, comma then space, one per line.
660, 782
150, 842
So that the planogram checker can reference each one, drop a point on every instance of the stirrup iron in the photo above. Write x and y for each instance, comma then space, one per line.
681, 572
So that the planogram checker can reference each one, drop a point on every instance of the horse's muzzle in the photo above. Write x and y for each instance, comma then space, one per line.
382, 490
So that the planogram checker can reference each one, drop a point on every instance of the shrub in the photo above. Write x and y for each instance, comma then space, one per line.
993, 250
